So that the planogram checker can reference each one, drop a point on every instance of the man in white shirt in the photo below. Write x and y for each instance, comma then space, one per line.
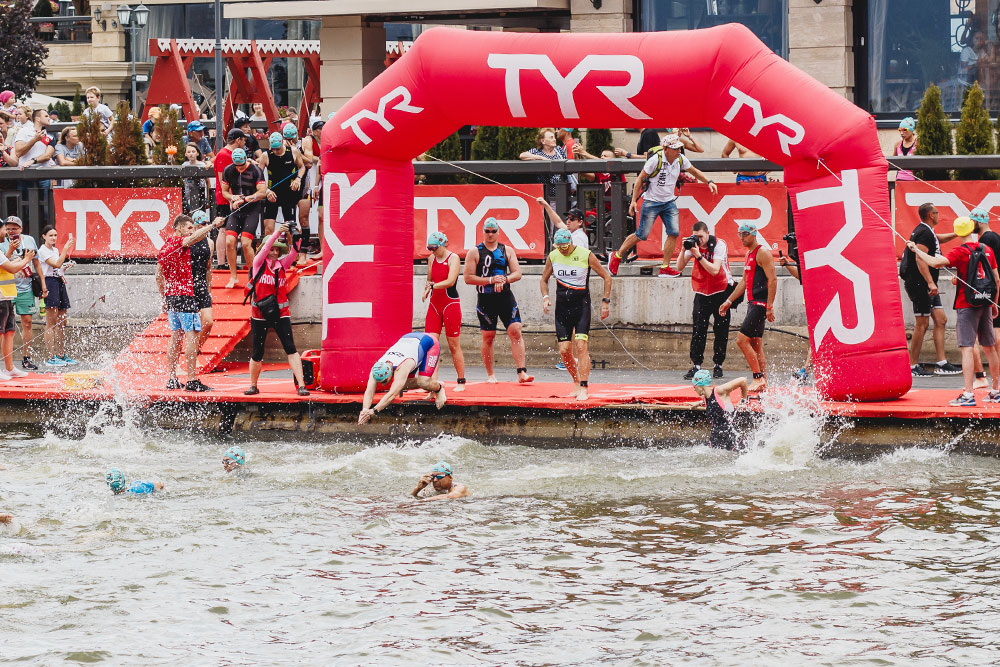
661, 172
34, 147
573, 223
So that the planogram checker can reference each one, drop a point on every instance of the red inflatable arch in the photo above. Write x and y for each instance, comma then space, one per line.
722, 77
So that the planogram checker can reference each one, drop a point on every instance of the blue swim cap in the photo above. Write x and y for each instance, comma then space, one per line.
236, 454
562, 237
980, 215
702, 378
437, 239
491, 223
747, 227
275, 140
289, 131
908, 124
239, 156
442, 468
115, 479
200, 217
382, 371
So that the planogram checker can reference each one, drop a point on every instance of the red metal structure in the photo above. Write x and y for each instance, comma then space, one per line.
248, 61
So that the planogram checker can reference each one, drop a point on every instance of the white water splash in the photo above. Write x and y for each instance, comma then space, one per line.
788, 435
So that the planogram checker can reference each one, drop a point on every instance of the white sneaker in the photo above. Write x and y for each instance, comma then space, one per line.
4, 376
16, 373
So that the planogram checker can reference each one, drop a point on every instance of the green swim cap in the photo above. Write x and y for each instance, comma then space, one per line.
702, 378
747, 227
115, 479
437, 239
442, 468
980, 215
275, 140
562, 237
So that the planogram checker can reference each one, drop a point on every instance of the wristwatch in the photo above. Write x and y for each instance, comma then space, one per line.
606, 300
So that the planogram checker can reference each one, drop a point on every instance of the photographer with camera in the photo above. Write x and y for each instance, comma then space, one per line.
793, 265
712, 283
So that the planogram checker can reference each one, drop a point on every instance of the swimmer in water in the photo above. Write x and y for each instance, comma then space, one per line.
6, 519
409, 363
440, 480
116, 480
719, 409
234, 458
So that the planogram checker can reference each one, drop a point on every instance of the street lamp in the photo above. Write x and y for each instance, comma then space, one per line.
133, 20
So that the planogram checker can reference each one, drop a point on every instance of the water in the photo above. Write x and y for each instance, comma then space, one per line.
561, 556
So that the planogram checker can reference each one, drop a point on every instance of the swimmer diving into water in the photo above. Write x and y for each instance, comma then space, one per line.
440, 480
409, 363
234, 458
719, 409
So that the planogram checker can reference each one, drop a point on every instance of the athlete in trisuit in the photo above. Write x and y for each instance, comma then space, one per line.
285, 168
408, 364
719, 409
491, 267
445, 309
760, 283
571, 265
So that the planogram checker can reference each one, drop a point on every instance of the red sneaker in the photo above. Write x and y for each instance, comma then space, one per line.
668, 272
613, 263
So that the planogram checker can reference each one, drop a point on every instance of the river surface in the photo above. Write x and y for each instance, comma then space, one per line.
642, 556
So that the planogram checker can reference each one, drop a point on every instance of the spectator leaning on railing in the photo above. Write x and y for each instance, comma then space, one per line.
546, 149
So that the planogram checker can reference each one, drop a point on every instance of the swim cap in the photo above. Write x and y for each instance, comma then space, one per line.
491, 223
239, 156
382, 371
437, 239
562, 237
702, 378
115, 479
236, 454
274, 140
443, 468
200, 217
747, 227
289, 131
566, 129
964, 226
908, 124
979, 214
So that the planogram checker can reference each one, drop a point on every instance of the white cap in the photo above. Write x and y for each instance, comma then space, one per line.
672, 141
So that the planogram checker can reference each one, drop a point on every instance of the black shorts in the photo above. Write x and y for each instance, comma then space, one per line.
923, 302
223, 210
287, 202
202, 295
498, 306
58, 297
6, 317
245, 221
258, 336
753, 323
572, 315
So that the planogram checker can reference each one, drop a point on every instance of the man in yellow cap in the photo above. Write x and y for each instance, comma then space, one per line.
975, 303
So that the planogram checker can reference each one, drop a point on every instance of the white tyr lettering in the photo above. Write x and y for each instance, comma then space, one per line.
81, 207
760, 121
341, 254
401, 93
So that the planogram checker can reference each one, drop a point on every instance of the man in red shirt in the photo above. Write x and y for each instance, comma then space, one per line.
173, 278
975, 321
235, 139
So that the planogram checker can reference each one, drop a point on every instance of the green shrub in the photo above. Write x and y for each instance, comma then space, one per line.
933, 133
598, 139
974, 134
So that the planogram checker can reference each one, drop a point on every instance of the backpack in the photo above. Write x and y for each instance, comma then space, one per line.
980, 287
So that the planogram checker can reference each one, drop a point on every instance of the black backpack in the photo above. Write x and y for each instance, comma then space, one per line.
980, 287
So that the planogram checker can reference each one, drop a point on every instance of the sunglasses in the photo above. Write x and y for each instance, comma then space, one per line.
574, 217
491, 231
432, 248
436, 477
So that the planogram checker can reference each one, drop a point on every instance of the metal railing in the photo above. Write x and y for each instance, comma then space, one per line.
607, 231
63, 29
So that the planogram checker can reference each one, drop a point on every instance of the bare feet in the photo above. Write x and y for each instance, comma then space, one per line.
524, 378
582, 395
757, 386
232, 282
491, 379
459, 388
574, 392
441, 398
980, 383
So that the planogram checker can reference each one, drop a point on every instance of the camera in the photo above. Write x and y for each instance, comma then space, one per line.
690, 242
793, 246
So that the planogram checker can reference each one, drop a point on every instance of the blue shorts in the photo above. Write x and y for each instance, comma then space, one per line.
427, 355
651, 210
183, 321
745, 178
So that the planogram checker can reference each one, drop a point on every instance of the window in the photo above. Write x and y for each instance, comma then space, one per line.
766, 18
914, 43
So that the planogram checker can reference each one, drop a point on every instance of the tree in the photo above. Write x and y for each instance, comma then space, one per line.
21, 51
127, 147
77, 104
95, 147
484, 146
974, 134
448, 150
512, 141
598, 139
933, 132
171, 134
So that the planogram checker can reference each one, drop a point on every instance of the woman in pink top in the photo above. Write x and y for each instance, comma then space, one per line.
907, 145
